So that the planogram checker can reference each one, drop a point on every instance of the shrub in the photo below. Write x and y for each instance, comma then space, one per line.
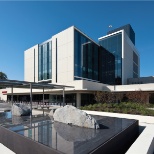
123, 107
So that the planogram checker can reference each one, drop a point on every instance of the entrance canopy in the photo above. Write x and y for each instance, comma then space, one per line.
25, 84
32, 85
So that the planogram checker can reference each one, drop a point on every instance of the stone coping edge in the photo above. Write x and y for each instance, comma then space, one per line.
144, 144
5, 150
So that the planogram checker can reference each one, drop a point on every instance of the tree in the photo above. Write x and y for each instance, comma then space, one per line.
108, 97
100, 97
3, 76
119, 96
138, 96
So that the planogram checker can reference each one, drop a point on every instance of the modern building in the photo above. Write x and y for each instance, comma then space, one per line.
121, 43
69, 57
72, 58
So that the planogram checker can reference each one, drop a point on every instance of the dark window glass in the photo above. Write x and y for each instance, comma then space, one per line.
114, 45
79, 40
135, 68
106, 66
44, 61
70, 99
87, 99
135, 75
135, 58
92, 62
129, 31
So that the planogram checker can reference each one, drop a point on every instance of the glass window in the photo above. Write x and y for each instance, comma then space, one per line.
114, 45
87, 99
92, 62
135, 58
44, 61
135, 68
84, 58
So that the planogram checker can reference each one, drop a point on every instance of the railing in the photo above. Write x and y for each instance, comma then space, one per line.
39, 104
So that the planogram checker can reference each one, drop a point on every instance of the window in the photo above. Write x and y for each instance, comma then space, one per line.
92, 62
114, 45
44, 61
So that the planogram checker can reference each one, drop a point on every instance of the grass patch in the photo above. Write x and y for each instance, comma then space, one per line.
123, 107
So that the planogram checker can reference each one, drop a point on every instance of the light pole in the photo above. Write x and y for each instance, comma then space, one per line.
110, 26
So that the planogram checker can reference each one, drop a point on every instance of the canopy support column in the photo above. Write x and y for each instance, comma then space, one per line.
43, 100
31, 98
63, 96
12, 95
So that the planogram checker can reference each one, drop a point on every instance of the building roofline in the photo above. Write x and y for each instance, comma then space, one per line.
31, 47
50, 39
120, 31
110, 34
85, 35
35, 85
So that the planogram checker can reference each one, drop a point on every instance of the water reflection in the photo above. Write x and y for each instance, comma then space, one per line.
6, 115
65, 138
74, 133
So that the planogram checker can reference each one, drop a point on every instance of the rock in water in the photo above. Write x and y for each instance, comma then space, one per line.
73, 116
73, 133
20, 110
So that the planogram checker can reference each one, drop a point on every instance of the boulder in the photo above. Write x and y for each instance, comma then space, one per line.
52, 111
73, 116
20, 110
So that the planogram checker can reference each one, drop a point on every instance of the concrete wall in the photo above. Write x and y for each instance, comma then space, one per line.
65, 56
127, 58
133, 87
29, 65
141, 80
144, 143
2, 96
82, 86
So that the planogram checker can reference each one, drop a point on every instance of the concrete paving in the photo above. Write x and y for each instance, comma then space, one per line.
144, 143
5, 150
143, 120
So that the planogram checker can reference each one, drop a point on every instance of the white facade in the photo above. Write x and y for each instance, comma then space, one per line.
31, 64
2, 96
127, 58
62, 58
127, 65
65, 56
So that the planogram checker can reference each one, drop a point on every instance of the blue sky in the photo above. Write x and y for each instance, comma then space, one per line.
24, 24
